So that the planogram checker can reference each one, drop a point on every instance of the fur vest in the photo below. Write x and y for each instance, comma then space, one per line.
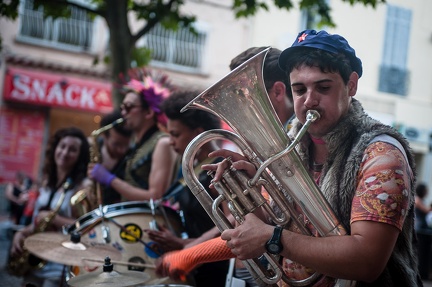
346, 145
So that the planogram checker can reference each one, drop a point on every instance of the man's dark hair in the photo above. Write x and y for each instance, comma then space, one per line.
327, 62
421, 190
191, 118
271, 72
110, 118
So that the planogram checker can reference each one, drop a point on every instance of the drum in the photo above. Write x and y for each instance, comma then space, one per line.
122, 225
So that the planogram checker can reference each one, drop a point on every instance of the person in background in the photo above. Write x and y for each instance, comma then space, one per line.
365, 170
18, 194
423, 231
183, 128
275, 81
151, 162
114, 144
64, 173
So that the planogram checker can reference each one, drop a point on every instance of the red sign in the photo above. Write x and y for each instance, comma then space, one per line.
34, 87
20, 142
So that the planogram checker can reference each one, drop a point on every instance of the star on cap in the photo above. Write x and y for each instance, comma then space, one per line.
302, 37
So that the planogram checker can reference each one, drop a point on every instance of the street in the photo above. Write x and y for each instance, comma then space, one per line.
6, 280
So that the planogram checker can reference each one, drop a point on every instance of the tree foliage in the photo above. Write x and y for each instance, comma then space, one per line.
166, 12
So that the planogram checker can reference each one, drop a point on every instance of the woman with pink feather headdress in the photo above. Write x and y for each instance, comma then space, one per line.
151, 163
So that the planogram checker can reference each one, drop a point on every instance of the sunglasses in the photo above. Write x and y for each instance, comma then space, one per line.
127, 107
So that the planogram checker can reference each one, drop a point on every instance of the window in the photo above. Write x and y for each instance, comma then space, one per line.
180, 50
310, 17
74, 33
393, 77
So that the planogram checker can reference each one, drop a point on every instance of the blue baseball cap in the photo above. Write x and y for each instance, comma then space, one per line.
323, 41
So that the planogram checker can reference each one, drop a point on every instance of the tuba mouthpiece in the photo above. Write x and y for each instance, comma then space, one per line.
312, 115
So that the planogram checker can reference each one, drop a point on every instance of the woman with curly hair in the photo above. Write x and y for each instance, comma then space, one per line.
64, 173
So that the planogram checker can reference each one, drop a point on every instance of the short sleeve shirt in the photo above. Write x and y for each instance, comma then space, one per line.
382, 193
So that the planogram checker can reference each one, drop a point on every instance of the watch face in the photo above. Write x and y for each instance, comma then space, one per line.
274, 245
273, 248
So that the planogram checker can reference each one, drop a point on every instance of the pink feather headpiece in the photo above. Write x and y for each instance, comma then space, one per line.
152, 92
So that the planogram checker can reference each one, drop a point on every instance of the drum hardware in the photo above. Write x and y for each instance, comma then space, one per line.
122, 263
184, 234
105, 228
105, 232
135, 237
68, 250
109, 277
153, 223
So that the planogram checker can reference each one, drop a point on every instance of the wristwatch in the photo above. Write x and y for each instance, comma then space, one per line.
274, 245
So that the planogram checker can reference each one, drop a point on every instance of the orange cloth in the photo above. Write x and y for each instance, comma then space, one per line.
184, 261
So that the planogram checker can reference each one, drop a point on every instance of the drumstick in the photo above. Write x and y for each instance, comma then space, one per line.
122, 263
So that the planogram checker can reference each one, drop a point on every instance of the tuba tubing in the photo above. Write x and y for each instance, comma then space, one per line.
212, 206
260, 136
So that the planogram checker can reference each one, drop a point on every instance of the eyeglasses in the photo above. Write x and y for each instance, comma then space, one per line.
127, 107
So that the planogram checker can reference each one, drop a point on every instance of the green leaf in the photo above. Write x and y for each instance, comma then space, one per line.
141, 56
9, 10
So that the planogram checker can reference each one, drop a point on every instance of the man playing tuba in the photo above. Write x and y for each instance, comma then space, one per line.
364, 169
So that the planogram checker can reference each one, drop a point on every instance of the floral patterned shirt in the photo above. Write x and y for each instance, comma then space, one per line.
383, 183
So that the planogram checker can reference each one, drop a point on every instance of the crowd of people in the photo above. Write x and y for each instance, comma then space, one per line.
364, 169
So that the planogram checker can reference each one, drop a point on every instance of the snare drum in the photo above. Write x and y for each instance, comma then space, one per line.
122, 225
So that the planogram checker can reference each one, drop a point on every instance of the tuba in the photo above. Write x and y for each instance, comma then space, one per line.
90, 198
263, 141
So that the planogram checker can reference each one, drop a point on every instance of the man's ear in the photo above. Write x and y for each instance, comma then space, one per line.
352, 84
150, 114
279, 90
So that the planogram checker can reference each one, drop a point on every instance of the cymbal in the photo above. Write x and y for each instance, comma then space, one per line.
109, 277
113, 278
68, 249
